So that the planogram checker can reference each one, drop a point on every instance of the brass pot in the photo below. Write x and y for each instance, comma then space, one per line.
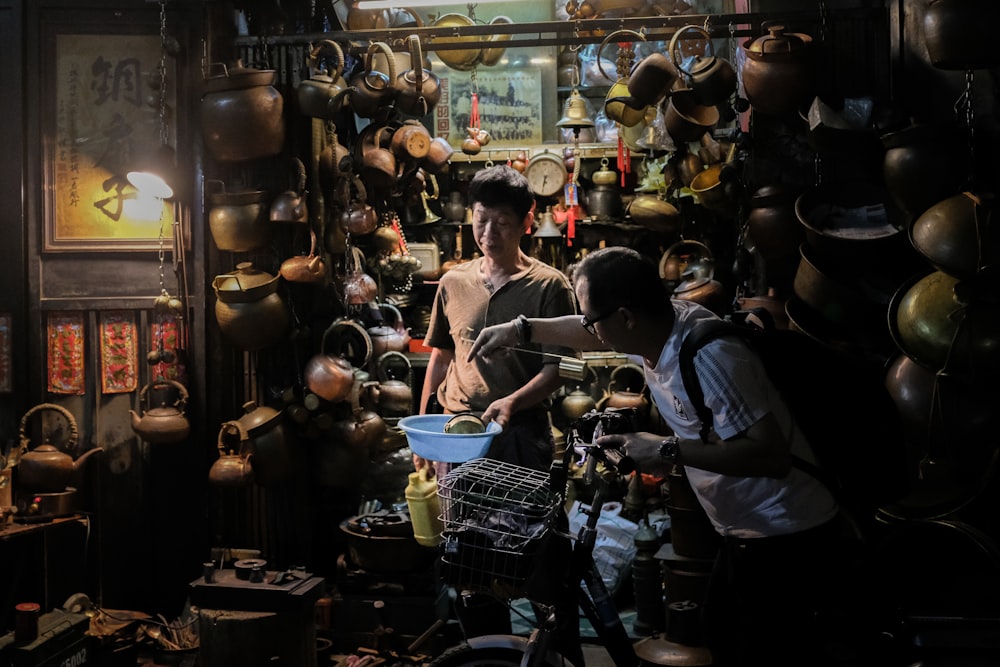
241, 113
777, 73
250, 312
463, 60
947, 324
273, 456
772, 225
956, 234
238, 220
924, 164
960, 34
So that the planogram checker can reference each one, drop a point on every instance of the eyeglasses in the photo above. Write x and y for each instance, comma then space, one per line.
588, 323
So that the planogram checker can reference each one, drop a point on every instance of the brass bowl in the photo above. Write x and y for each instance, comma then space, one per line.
460, 59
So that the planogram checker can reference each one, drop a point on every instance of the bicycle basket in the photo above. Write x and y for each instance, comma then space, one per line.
496, 517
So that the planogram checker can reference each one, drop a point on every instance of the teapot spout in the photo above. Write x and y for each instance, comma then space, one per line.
136, 422
82, 459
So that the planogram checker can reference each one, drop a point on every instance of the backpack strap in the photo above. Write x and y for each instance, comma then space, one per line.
701, 334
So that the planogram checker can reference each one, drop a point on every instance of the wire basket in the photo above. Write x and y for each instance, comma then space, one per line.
496, 517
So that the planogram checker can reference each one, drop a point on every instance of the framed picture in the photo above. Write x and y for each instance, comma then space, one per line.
101, 116
510, 106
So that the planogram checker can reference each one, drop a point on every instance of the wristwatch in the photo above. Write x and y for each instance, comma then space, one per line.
670, 449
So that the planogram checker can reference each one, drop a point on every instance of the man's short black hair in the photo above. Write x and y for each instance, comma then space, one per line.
501, 185
622, 277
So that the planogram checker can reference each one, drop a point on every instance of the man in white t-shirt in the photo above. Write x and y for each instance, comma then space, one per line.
778, 523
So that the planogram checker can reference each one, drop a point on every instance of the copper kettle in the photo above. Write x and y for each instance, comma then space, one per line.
45, 468
166, 423
391, 396
232, 468
620, 393
711, 79
390, 336
309, 268
329, 377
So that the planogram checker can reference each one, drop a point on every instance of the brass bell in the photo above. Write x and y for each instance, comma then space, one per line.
547, 227
575, 114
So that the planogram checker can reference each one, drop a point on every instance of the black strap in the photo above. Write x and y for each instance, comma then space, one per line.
701, 334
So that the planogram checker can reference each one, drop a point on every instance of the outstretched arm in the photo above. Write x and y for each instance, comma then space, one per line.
565, 331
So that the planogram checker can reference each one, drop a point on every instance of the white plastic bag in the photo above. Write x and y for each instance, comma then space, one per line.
614, 550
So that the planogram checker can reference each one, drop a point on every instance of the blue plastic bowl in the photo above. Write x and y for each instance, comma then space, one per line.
427, 439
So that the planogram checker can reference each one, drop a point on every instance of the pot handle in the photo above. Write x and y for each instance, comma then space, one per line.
333, 46
300, 173
232, 427
382, 366
67, 415
417, 63
607, 40
180, 403
389, 60
630, 367
673, 50
361, 334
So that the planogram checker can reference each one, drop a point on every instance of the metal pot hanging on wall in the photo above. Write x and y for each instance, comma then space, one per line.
250, 312
241, 113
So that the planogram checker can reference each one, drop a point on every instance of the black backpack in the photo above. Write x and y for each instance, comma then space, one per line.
840, 402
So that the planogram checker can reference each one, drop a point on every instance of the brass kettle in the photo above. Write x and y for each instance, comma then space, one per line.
290, 205
232, 468
45, 468
166, 423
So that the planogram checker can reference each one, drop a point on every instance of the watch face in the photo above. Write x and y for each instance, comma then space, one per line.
546, 175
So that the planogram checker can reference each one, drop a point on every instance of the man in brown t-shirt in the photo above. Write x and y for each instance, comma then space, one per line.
498, 286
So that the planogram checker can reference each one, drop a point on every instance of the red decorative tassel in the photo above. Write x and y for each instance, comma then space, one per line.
621, 160
474, 114
570, 226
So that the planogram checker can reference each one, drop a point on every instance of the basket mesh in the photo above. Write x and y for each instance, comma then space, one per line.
496, 516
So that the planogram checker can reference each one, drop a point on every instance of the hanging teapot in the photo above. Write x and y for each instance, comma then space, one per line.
619, 104
389, 336
45, 468
310, 269
392, 397
232, 468
329, 377
577, 403
711, 79
166, 423
359, 218
418, 90
290, 206
372, 90
324, 94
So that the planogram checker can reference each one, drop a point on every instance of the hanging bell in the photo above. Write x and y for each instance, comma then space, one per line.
575, 116
547, 228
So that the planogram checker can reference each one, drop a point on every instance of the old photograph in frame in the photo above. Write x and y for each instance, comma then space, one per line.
101, 116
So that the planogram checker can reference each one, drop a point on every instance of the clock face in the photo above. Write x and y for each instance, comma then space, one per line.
546, 174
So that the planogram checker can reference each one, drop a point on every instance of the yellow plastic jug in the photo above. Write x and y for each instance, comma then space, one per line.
425, 508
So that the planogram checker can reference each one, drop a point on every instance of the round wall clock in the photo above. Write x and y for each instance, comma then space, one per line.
546, 174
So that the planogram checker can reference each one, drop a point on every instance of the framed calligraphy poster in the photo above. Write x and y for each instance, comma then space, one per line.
101, 119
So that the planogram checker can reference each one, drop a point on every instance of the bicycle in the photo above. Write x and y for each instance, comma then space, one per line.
497, 517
